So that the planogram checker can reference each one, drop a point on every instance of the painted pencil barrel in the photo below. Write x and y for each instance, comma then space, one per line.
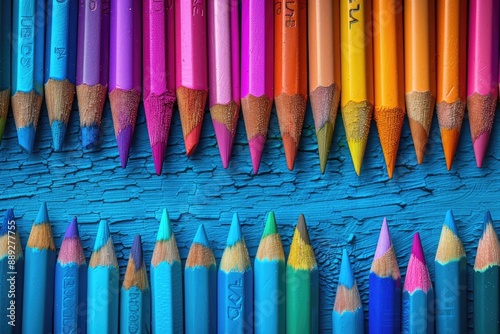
451, 297
416, 312
11, 295
235, 302
384, 305
487, 300
166, 289
348, 322
102, 302
135, 316
269, 304
38, 299
301, 301
70, 298
5, 31
200, 293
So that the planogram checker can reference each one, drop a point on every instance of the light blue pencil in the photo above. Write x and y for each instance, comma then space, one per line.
103, 285
166, 281
39, 269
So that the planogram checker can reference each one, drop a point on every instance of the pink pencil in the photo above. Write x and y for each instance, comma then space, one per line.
482, 69
224, 72
191, 67
257, 71
159, 73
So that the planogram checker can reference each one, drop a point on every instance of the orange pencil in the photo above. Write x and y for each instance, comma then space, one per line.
389, 76
451, 18
420, 73
290, 72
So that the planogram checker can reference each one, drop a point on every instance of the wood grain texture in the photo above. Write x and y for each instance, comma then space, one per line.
342, 209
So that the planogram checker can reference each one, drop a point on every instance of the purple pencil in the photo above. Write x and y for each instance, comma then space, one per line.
92, 67
125, 70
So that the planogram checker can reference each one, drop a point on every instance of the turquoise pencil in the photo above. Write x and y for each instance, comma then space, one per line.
200, 283
28, 22
103, 285
166, 281
11, 275
270, 278
451, 280
39, 269
70, 298
235, 285
347, 316
5, 65
60, 65
135, 296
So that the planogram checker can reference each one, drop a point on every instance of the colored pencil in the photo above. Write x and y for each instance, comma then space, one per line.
451, 31
224, 72
125, 71
39, 269
270, 281
388, 63
235, 285
200, 282
257, 73
191, 68
482, 69
103, 285
356, 102
27, 72
135, 295
5, 64
324, 93
70, 299
290, 73
166, 281
60, 66
451, 280
487, 281
385, 287
347, 316
420, 71
158, 74
301, 284
92, 69
418, 295
11, 275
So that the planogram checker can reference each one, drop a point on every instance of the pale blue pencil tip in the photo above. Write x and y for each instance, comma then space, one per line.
450, 222
26, 137
346, 276
90, 136
58, 133
234, 232
43, 215
487, 220
165, 229
201, 236
103, 235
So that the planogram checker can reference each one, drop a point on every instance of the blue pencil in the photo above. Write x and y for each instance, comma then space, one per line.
11, 276
451, 280
39, 268
103, 285
135, 296
200, 277
60, 65
27, 68
5, 64
385, 287
166, 281
270, 278
70, 291
347, 315
235, 285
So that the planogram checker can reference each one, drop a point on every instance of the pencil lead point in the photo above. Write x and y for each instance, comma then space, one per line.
234, 235
103, 235
201, 236
165, 229
416, 248
43, 216
90, 136
58, 133
136, 252
124, 140
480, 147
26, 137
302, 229
224, 139
449, 221
290, 151
72, 230
270, 227
346, 276
324, 136
192, 139
158, 156
256, 148
384, 240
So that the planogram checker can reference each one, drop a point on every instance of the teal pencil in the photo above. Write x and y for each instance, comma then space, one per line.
135, 296
487, 281
451, 281
270, 278
200, 283
5, 31
39, 269
103, 285
166, 281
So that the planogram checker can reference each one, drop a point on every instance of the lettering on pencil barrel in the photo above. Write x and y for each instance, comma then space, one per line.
352, 10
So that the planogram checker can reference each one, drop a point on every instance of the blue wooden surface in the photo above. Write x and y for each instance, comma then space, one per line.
342, 209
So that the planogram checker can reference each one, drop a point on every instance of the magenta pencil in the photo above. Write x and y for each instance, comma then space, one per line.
257, 72
191, 67
158, 73
482, 71
224, 72
125, 70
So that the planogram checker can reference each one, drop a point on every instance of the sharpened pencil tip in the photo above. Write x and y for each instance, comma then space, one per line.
416, 248
357, 149
346, 276
270, 227
234, 235
302, 228
201, 236
192, 139
449, 221
480, 148
26, 138
58, 133
256, 148
136, 252
43, 215
72, 230
384, 240
324, 135
224, 141
487, 220
165, 229
103, 235
450, 139
124, 140
158, 156
290, 151
90, 136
